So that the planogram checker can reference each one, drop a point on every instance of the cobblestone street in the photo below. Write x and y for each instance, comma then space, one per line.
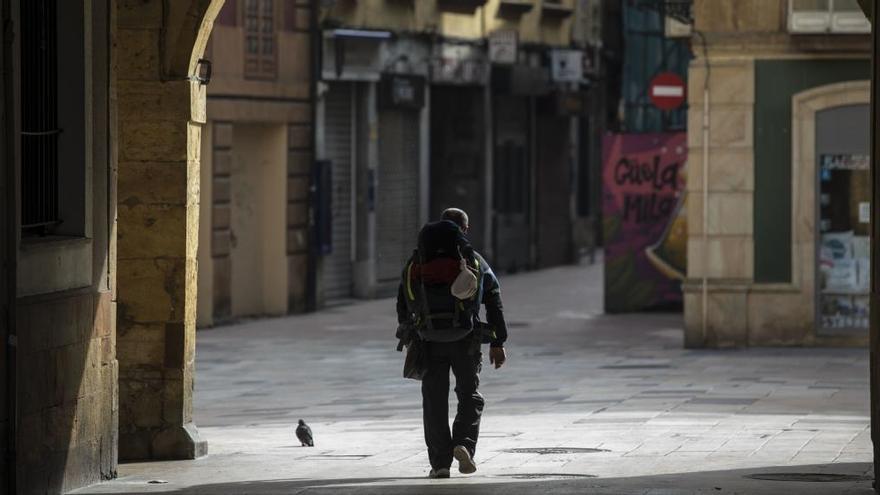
587, 403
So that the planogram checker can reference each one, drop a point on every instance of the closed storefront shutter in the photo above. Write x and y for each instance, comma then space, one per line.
339, 136
553, 199
458, 159
397, 198
512, 184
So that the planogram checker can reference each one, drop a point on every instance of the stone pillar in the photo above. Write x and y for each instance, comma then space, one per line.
160, 115
726, 259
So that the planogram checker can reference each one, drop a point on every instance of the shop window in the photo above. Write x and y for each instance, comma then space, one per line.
52, 119
844, 216
844, 254
827, 16
260, 44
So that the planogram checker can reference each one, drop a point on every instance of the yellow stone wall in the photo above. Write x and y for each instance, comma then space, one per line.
226, 51
66, 368
732, 35
425, 16
759, 28
534, 26
729, 252
89, 350
161, 111
237, 106
739, 16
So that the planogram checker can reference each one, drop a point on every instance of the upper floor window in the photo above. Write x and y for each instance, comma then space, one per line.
260, 50
827, 16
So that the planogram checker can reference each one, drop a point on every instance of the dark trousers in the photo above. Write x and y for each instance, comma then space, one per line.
465, 365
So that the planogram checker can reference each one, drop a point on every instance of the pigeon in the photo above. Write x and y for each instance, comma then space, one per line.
304, 434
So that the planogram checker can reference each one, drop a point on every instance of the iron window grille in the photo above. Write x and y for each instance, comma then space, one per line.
39, 116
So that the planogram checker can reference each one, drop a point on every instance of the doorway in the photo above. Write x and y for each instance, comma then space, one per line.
258, 243
843, 219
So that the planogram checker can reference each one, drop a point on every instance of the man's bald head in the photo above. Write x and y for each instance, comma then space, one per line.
458, 216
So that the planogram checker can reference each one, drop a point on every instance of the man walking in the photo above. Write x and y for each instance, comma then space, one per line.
451, 342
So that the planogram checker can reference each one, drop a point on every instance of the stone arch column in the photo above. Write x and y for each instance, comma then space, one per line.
160, 112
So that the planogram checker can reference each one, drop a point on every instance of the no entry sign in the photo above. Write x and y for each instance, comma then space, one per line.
667, 91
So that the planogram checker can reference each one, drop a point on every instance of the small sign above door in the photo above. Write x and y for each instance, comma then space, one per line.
404, 92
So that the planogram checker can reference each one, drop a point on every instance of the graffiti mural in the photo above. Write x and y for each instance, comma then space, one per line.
645, 223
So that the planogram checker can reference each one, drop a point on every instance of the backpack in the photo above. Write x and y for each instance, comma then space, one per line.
443, 265
443, 239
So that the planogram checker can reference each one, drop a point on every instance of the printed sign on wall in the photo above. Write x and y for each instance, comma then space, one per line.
645, 223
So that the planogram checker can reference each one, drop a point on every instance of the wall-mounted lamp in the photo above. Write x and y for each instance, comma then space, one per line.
203, 72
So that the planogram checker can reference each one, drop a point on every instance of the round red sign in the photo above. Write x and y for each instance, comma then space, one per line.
667, 91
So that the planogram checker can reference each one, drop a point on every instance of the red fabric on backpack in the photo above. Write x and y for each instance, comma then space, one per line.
437, 271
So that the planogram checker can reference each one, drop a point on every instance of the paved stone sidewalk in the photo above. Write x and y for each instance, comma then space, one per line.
615, 402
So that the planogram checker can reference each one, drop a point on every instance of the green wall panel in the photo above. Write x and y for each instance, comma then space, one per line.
776, 81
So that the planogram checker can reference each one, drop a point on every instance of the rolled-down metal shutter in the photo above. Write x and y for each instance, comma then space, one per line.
397, 198
339, 138
512, 184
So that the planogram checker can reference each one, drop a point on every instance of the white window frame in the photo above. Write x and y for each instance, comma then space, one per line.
826, 22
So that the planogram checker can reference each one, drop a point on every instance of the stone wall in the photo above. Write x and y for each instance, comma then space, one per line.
760, 27
734, 37
533, 25
238, 101
739, 16
67, 428
727, 248
161, 110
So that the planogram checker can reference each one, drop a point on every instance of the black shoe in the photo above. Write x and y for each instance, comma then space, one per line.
441, 473
465, 461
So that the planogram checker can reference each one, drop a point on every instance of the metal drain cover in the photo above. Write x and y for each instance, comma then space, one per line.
554, 450
539, 476
809, 477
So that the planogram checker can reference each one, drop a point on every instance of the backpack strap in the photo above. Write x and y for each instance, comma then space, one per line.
408, 291
425, 310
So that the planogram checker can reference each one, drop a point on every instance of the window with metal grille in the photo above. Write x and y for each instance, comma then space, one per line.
39, 116
54, 128
260, 57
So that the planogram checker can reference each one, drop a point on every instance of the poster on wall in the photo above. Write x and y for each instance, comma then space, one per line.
645, 223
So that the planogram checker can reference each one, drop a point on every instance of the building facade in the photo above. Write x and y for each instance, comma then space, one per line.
257, 162
475, 104
778, 189
103, 107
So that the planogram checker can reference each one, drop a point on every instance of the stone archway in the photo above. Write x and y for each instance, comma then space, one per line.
161, 109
